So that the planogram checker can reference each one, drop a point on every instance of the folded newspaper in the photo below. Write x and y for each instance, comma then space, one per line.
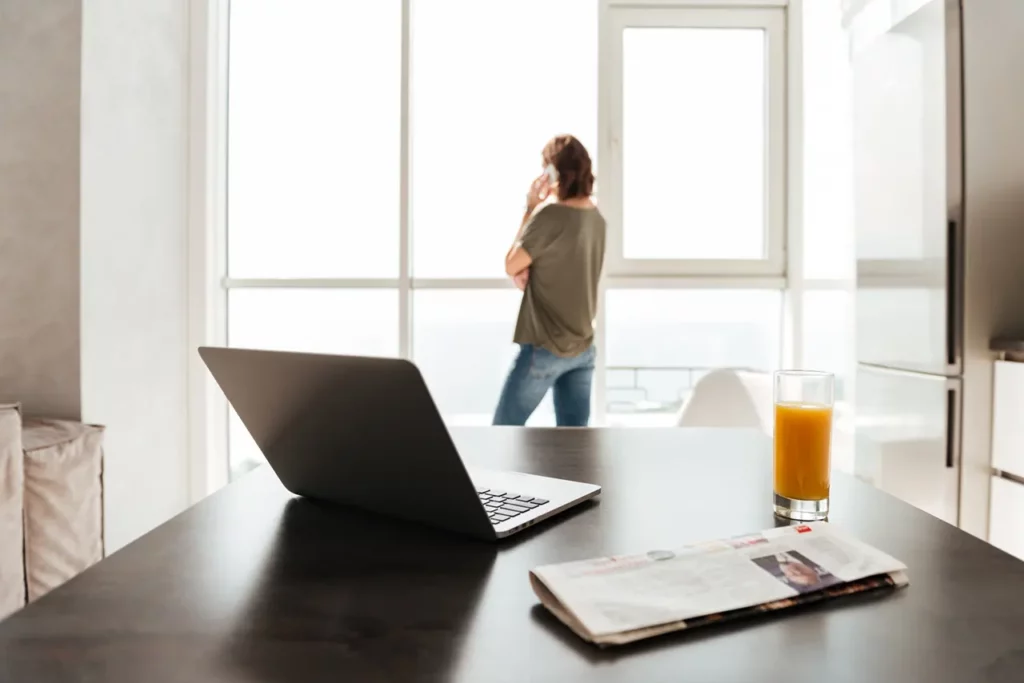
622, 599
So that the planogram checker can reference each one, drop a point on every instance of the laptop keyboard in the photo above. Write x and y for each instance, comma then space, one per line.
502, 506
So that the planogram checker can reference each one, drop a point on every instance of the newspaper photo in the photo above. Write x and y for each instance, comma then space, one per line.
621, 599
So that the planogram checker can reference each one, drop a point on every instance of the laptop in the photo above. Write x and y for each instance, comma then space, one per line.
365, 432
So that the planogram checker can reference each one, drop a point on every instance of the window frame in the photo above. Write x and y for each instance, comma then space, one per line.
617, 18
207, 231
206, 243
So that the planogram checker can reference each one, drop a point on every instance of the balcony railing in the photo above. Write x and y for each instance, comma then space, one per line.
632, 396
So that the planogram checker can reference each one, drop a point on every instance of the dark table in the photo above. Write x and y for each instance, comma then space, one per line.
252, 585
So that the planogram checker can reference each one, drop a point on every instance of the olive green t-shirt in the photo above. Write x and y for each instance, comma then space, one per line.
566, 245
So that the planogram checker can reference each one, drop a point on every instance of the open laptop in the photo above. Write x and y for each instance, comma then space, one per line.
365, 432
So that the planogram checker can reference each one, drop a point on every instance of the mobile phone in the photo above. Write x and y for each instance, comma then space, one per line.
552, 173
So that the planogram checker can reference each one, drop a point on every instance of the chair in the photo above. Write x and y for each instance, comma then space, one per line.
730, 398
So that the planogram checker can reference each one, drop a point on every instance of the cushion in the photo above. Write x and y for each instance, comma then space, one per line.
63, 501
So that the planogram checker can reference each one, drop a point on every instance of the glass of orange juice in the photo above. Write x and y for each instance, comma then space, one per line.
803, 443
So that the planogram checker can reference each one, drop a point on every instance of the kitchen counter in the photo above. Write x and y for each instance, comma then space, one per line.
1012, 348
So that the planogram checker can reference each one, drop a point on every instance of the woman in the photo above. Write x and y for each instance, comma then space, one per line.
556, 260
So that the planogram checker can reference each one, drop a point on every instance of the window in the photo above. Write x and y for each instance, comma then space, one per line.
828, 335
696, 152
828, 145
709, 202
313, 139
378, 158
488, 91
356, 321
462, 343
660, 342
828, 340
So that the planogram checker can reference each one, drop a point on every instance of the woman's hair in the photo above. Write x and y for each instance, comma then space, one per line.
571, 160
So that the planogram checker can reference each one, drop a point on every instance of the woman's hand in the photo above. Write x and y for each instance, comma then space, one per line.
540, 189
521, 278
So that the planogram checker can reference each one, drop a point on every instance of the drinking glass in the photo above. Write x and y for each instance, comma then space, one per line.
803, 443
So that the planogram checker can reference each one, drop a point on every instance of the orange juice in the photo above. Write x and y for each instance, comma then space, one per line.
803, 434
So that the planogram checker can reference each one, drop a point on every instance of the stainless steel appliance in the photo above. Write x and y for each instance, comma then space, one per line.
939, 203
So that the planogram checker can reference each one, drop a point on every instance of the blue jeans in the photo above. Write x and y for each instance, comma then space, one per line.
534, 372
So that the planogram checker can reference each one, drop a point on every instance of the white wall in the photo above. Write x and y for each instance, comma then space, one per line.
134, 195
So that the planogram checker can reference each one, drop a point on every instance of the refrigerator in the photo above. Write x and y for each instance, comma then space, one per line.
937, 127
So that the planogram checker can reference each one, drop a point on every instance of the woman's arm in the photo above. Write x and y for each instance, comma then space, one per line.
520, 278
517, 259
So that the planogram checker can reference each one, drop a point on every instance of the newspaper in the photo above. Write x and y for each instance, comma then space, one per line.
621, 599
